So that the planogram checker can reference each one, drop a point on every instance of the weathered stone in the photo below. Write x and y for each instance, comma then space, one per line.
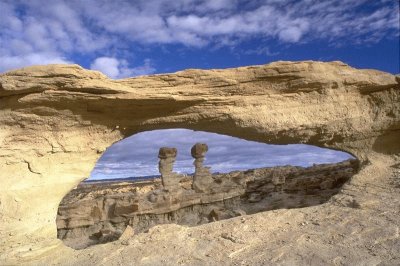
56, 120
166, 152
153, 203
278, 179
219, 214
127, 234
125, 209
202, 179
170, 180
199, 150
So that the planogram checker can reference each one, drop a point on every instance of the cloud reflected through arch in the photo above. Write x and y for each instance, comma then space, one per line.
136, 156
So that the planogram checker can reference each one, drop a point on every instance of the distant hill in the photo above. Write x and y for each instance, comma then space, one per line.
137, 178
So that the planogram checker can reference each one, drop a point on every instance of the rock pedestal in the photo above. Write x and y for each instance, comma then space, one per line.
170, 180
202, 180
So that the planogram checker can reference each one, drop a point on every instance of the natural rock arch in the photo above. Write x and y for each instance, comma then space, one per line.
56, 120
100, 212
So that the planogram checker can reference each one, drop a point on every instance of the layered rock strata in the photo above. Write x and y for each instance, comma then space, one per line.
57, 120
99, 213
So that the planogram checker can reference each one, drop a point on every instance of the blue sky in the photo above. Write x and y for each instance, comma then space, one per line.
129, 38
137, 155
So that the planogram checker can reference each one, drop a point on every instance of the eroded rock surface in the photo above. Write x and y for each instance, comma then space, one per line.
57, 120
167, 156
202, 179
98, 213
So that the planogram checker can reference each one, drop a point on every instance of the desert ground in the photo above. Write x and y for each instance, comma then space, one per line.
358, 226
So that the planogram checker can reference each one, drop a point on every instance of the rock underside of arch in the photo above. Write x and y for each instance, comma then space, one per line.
57, 120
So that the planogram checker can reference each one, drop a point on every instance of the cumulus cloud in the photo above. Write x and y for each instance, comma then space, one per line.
107, 65
137, 155
62, 30
115, 68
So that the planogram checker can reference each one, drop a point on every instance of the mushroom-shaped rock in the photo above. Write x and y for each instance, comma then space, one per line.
199, 150
170, 180
166, 152
202, 180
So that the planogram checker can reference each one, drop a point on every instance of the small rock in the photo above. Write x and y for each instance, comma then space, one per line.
127, 234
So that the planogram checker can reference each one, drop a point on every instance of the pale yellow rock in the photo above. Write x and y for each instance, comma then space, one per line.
127, 234
57, 120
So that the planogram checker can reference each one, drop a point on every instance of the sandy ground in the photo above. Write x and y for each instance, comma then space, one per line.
359, 226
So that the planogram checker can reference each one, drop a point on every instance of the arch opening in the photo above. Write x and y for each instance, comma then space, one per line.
132, 189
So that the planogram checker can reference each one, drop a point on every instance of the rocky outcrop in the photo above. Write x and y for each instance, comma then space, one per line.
202, 179
57, 120
170, 180
103, 214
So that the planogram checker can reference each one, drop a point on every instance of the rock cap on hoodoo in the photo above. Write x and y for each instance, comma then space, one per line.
166, 152
199, 150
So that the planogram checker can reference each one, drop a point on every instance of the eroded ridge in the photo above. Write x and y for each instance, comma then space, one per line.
98, 213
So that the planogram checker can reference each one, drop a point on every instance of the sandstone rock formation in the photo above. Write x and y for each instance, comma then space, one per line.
199, 150
57, 120
170, 180
98, 213
202, 180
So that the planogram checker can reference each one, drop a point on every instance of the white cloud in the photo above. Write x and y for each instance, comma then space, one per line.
58, 30
291, 34
262, 50
9, 62
115, 68
107, 65
39, 32
198, 23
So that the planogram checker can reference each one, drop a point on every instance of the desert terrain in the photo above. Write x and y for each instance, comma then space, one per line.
99, 212
57, 120
357, 226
